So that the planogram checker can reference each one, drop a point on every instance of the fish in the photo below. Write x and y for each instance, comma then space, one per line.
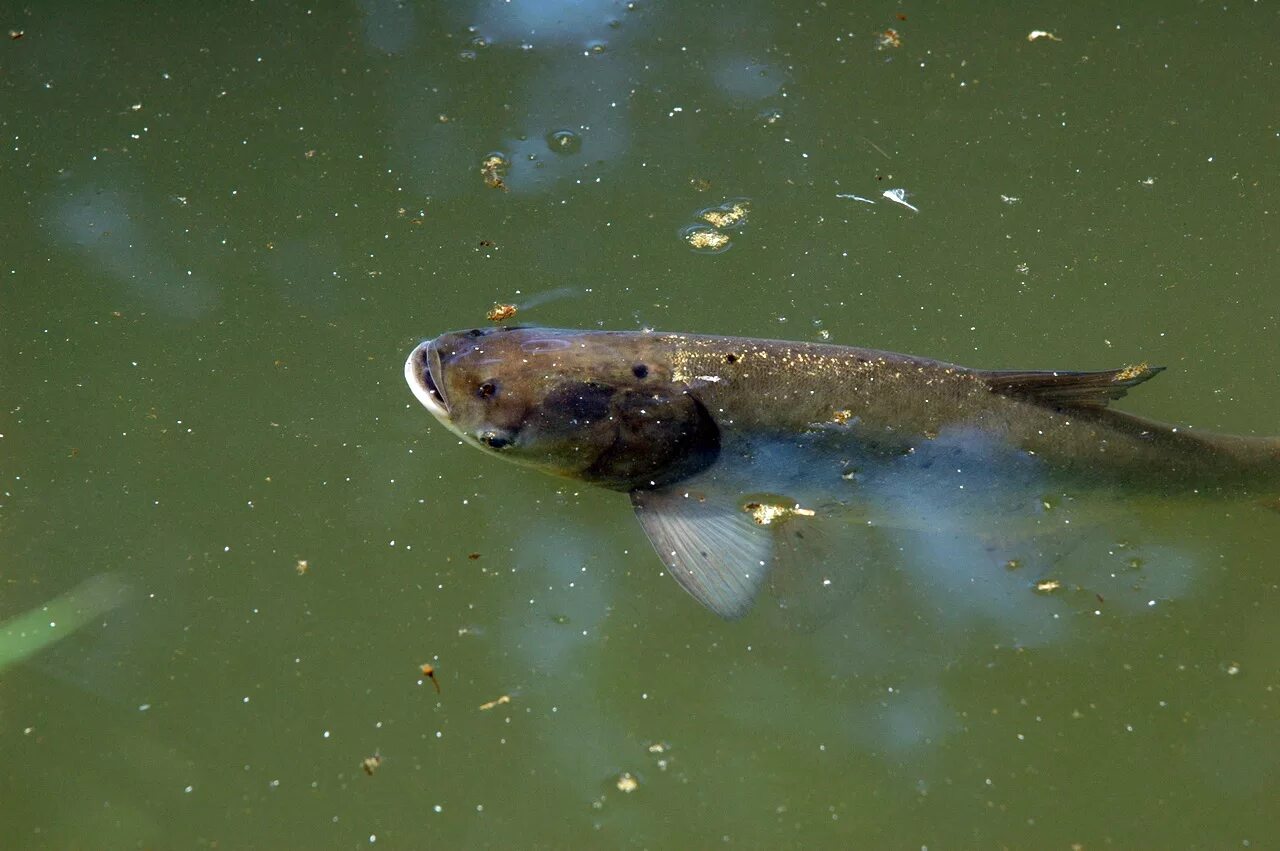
748, 460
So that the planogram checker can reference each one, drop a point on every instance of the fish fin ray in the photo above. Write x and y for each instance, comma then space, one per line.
1081, 390
713, 549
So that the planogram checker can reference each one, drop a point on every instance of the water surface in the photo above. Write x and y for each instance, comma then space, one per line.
225, 228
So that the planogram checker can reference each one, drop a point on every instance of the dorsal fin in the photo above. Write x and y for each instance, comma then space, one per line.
1089, 390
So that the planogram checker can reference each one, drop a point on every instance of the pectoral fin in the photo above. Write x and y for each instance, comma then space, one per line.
712, 548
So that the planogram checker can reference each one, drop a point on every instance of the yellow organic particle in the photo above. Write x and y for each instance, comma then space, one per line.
1131, 372
627, 783
1048, 586
708, 239
726, 216
506, 698
492, 170
888, 39
765, 514
841, 417
501, 312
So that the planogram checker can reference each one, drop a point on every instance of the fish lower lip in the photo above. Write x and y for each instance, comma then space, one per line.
431, 385
418, 375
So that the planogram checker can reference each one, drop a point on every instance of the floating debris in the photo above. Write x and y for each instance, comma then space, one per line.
506, 698
1048, 586
492, 169
730, 214
848, 197
899, 196
627, 783
888, 39
1131, 372
765, 514
841, 417
501, 312
301, 567
769, 117
1036, 35
564, 142
371, 764
659, 750
706, 240
429, 671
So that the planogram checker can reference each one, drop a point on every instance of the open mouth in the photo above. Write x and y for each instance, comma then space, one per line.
418, 374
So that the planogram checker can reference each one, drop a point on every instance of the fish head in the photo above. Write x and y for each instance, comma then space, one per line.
600, 407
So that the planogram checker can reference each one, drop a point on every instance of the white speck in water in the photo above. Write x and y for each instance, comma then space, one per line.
437, 808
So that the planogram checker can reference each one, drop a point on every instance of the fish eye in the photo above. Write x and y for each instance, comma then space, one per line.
640, 370
487, 390
494, 441
475, 332
730, 358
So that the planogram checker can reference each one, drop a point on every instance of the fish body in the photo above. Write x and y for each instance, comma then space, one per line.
740, 454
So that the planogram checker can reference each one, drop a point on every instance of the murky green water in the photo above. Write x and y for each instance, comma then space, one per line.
223, 230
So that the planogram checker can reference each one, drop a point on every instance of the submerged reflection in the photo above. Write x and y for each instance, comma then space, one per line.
105, 226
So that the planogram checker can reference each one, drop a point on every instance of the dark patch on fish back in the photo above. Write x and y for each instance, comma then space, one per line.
659, 440
582, 401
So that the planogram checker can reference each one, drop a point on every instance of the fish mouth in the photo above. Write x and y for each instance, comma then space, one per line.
420, 369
